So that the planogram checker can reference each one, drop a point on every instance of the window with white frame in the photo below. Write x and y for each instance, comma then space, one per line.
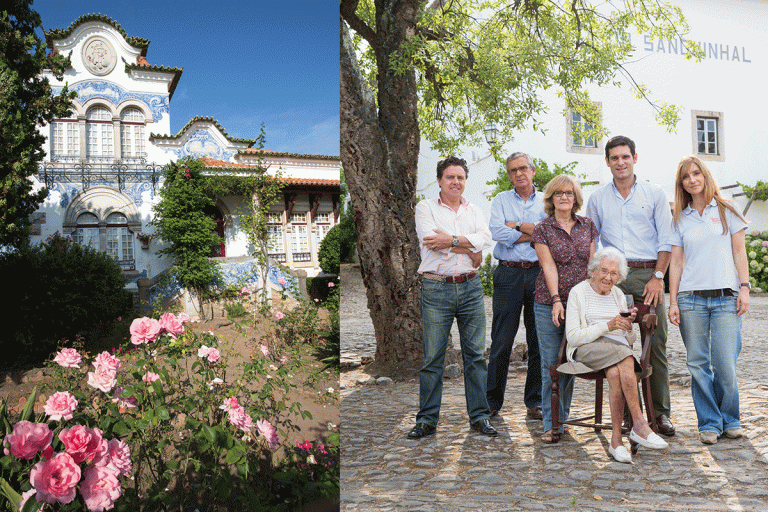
119, 239
132, 133
577, 138
99, 134
707, 133
87, 232
275, 240
322, 226
65, 138
299, 235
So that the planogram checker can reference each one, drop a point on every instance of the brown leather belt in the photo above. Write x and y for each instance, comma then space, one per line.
450, 279
519, 264
641, 264
711, 294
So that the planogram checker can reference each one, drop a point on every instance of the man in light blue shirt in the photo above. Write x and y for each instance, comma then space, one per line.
634, 216
514, 213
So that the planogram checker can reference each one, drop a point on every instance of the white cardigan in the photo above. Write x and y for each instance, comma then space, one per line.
576, 329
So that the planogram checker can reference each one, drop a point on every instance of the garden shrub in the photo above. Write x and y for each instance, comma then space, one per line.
328, 254
757, 256
318, 289
486, 271
55, 290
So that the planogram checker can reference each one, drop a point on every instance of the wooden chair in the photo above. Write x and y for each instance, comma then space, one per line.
647, 321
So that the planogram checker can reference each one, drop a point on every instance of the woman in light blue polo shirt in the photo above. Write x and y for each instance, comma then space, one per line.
709, 291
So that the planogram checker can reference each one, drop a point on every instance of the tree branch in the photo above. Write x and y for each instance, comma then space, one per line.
349, 14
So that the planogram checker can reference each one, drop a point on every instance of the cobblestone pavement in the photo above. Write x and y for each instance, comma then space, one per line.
458, 469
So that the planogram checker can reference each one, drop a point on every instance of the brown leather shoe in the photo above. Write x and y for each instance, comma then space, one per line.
664, 425
494, 412
535, 412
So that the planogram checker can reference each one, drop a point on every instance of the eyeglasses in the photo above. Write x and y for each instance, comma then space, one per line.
561, 193
605, 272
518, 169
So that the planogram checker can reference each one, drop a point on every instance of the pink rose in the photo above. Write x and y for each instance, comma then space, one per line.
245, 292
268, 431
83, 443
60, 406
100, 488
118, 457
150, 377
56, 479
25, 496
283, 360
102, 378
122, 401
108, 361
331, 284
171, 324
144, 330
68, 358
229, 404
240, 419
27, 439
264, 349
279, 315
282, 281
213, 354
183, 317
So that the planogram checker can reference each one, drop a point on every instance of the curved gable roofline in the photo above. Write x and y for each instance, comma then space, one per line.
270, 153
57, 33
203, 119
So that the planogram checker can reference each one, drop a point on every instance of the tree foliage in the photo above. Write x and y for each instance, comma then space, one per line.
348, 235
540, 179
760, 189
26, 103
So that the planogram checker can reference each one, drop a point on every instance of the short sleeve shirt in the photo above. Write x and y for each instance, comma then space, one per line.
570, 252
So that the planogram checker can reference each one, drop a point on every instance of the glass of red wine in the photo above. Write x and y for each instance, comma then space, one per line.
630, 305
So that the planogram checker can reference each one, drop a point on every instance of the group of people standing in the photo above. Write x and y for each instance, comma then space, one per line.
553, 273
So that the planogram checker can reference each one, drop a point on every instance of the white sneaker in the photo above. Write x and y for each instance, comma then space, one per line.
734, 433
620, 454
653, 441
708, 437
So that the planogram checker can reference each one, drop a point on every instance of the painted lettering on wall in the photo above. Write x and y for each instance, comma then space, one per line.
679, 46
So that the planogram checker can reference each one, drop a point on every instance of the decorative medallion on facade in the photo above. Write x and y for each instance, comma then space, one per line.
99, 56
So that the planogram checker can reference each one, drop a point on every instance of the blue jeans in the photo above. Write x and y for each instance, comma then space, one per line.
711, 332
440, 303
513, 294
550, 337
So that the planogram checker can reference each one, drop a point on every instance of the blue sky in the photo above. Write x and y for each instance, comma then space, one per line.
245, 62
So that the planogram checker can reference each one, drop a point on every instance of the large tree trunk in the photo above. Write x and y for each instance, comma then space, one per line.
379, 153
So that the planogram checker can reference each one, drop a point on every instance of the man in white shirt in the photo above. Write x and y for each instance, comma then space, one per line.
634, 216
452, 234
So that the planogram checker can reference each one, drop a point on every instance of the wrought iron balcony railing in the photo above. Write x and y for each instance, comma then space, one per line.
68, 169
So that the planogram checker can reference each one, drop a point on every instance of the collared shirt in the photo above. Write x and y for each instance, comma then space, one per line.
570, 252
509, 206
468, 221
640, 226
708, 262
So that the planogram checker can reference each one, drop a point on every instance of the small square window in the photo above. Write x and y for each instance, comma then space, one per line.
576, 140
707, 128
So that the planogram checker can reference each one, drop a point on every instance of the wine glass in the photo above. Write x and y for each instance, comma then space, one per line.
630, 300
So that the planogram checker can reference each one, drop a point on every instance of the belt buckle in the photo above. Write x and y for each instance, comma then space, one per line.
527, 264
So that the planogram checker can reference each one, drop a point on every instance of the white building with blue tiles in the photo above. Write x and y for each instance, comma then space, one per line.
103, 165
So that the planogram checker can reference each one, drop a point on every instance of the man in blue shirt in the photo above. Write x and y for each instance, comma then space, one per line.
634, 216
513, 216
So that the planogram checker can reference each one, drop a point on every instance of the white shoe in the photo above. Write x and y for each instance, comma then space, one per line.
734, 433
708, 437
620, 454
652, 441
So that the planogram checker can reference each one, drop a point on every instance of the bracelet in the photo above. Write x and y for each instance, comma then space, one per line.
556, 298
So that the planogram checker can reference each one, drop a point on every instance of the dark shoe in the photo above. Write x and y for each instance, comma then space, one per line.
494, 412
535, 412
421, 430
484, 427
664, 426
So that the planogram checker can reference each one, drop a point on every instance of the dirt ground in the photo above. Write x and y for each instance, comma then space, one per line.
312, 384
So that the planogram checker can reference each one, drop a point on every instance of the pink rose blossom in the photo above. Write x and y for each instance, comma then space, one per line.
68, 358
127, 402
240, 419
150, 377
100, 488
282, 281
102, 378
264, 349
283, 360
331, 284
229, 404
108, 361
211, 353
268, 431
83, 443
171, 324
118, 457
27, 439
60, 405
245, 292
144, 330
55, 479
183, 317
25, 496
279, 315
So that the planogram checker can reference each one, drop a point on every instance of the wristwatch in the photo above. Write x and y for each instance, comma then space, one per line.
455, 241
748, 285
658, 274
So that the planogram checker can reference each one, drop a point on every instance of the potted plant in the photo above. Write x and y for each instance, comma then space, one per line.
144, 238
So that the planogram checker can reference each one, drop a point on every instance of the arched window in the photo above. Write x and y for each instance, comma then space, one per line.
99, 134
132, 134
87, 232
119, 239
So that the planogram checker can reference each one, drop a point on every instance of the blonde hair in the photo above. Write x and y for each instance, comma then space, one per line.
711, 191
561, 182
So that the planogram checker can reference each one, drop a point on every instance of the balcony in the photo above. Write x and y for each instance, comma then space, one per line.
99, 170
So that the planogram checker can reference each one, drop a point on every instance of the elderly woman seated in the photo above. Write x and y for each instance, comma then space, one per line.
599, 337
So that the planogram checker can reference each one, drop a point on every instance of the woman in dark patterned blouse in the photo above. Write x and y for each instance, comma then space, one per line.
564, 244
